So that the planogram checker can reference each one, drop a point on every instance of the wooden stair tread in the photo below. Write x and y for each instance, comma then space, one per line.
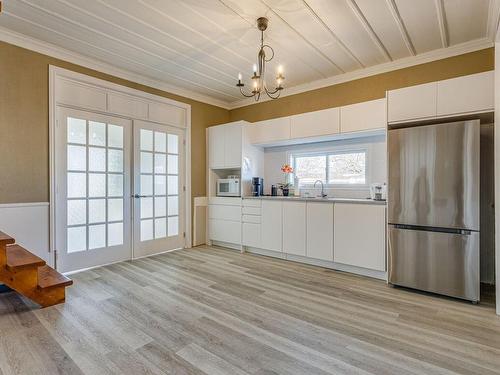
49, 278
19, 258
6, 239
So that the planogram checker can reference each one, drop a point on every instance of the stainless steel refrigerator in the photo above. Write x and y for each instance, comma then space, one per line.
433, 208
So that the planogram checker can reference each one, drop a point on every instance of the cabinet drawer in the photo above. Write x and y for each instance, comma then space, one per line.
226, 201
224, 212
251, 210
251, 219
251, 202
225, 231
251, 235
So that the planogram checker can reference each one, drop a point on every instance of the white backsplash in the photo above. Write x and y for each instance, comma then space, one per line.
275, 157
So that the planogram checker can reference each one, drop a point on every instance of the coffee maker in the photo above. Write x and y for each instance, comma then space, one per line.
257, 186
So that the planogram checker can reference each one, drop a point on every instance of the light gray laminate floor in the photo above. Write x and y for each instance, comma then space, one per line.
215, 311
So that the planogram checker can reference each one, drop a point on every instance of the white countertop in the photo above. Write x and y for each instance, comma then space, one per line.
317, 199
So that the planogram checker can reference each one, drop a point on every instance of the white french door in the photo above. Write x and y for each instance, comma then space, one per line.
93, 179
159, 214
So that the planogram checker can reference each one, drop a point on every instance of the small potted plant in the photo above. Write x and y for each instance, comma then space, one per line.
285, 187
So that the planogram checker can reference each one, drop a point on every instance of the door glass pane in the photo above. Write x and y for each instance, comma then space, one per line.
77, 239
146, 208
115, 185
146, 184
115, 234
160, 142
97, 185
77, 185
173, 144
97, 133
146, 230
173, 226
161, 163
77, 158
77, 212
160, 228
115, 209
115, 160
97, 210
146, 140
160, 206
173, 185
173, 164
160, 185
77, 129
173, 205
97, 236
115, 136
146, 162
97, 159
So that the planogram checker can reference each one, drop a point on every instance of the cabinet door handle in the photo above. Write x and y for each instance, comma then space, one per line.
139, 196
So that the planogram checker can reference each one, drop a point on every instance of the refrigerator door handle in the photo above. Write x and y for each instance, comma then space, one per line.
432, 229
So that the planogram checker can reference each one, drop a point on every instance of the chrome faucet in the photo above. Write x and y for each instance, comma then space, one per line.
323, 195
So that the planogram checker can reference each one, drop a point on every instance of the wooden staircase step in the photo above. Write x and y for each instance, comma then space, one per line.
49, 278
19, 258
5, 239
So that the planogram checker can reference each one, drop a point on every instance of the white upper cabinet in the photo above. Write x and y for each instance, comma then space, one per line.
363, 116
313, 124
294, 228
232, 145
472, 93
412, 103
216, 146
359, 235
224, 146
271, 225
269, 131
319, 225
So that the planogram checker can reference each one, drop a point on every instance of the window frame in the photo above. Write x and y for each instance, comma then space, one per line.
292, 155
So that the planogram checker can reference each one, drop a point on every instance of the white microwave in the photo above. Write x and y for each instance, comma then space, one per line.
228, 187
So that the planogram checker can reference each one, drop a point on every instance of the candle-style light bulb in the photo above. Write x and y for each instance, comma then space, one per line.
255, 68
280, 69
239, 77
255, 85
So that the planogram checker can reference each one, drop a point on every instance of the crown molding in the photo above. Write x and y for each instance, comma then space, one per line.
439, 54
49, 49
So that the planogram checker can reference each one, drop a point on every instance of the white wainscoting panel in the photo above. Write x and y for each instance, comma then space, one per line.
28, 223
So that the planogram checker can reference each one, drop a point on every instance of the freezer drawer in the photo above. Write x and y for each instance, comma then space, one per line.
439, 262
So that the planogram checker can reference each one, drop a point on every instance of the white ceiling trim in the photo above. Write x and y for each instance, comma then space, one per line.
493, 18
52, 50
439, 54
443, 27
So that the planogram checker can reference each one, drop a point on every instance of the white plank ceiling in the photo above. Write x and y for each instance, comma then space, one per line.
202, 45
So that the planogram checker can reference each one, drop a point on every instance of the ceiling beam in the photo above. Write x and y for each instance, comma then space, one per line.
443, 25
402, 28
366, 25
334, 36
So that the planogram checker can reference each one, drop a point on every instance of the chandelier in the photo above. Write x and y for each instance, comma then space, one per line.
259, 85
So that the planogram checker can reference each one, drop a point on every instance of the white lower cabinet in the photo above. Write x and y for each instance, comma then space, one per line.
271, 225
251, 234
359, 235
319, 226
294, 228
225, 231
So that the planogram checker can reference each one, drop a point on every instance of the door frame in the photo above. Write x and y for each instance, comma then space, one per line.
58, 75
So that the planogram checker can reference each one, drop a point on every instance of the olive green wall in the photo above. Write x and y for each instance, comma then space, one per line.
24, 121
24, 124
369, 88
